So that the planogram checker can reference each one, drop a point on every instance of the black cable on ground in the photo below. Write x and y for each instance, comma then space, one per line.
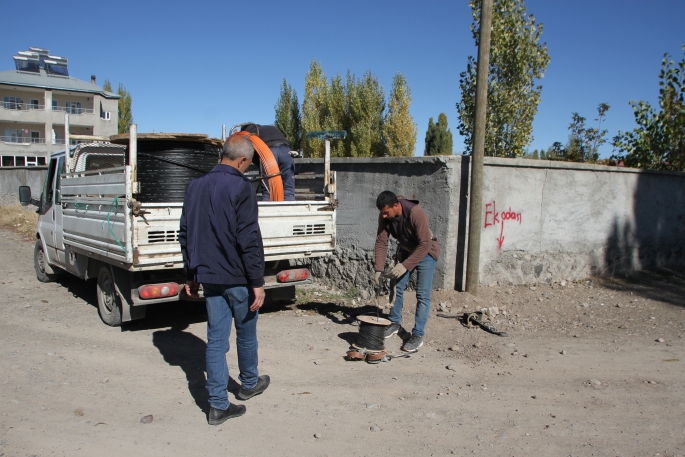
371, 336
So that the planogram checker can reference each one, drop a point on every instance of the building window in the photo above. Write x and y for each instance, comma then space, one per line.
12, 102
34, 103
23, 161
12, 136
35, 137
74, 107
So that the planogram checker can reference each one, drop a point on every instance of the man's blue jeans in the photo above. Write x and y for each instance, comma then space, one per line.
225, 304
424, 286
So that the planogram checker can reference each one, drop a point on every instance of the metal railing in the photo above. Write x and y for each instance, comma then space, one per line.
71, 142
21, 106
21, 140
72, 110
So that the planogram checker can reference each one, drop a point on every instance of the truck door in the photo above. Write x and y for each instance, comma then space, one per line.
46, 219
58, 232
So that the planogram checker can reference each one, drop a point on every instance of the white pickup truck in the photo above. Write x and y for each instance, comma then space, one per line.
111, 212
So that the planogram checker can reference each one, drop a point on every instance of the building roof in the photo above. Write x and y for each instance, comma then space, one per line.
43, 81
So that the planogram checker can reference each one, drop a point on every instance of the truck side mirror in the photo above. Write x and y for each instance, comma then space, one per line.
25, 197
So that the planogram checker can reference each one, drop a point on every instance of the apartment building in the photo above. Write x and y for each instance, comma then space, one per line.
35, 96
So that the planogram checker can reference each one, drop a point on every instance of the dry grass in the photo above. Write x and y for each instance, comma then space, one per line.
21, 219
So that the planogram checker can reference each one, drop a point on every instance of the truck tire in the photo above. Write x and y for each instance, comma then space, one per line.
109, 304
39, 261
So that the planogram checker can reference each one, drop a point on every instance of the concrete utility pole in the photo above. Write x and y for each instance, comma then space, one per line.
476, 200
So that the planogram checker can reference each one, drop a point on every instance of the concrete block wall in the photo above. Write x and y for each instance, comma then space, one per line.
12, 178
434, 181
547, 221
542, 221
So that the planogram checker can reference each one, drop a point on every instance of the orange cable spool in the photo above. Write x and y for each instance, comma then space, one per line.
270, 166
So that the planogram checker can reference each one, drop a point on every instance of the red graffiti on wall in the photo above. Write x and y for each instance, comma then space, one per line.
493, 217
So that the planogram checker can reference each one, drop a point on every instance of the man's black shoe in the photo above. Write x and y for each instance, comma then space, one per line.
219, 416
391, 329
262, 383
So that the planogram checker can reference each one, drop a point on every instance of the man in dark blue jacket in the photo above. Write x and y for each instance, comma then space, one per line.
222, 250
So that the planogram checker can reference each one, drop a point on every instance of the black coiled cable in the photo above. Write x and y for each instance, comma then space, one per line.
166, 167
371, 336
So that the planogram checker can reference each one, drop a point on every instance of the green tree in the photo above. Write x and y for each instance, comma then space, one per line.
337, 119
125, 113
399, 129
438, 137
358, 107
583, 143
554, 152
517, 60
288, 119
366, 104
315, 111
658, 142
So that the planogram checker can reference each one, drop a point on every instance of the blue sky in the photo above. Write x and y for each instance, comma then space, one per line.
193, 66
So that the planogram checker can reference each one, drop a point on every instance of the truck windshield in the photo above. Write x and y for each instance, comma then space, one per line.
58, 179
49, 181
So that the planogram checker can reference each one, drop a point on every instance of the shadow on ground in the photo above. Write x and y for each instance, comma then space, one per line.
659, 284
84, 290
187, 351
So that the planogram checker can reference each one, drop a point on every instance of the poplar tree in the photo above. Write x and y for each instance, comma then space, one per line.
366, 103
125, 113
288, 119
337, 119
315, 112
517, 60
399, 129
438, 137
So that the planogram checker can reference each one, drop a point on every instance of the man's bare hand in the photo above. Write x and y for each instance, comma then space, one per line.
258, 298
192, 289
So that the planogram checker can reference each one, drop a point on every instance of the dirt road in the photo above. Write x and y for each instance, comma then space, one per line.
581, 374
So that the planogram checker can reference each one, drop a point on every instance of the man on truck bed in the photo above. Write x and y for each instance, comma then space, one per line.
280, 148
418, 249
222, 249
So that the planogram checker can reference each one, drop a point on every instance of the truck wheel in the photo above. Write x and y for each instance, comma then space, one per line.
109, 304
39, 261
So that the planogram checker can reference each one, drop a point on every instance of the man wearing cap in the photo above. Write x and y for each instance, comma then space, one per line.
222, 249
280, 148
419, 250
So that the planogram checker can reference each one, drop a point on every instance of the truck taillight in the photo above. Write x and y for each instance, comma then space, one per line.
148, 291
298, 274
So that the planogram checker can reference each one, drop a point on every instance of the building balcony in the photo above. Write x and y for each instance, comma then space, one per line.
22, 140
21, 106
73, 110
26, 141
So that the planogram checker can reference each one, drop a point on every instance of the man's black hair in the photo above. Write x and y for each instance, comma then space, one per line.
386, 198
